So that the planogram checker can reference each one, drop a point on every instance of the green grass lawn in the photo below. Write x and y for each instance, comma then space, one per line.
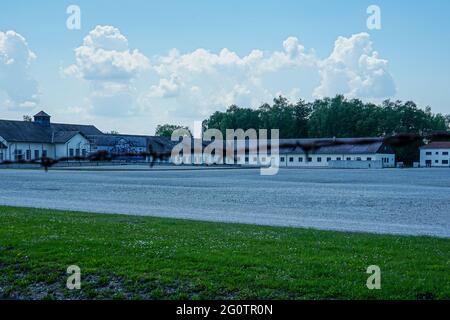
154, 258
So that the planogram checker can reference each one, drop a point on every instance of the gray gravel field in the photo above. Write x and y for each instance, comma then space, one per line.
409, 201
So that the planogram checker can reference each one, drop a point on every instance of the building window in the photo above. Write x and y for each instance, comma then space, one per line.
84, 152
445, 153
70, 152
444, 161
358, 158
246, 159
263, 159
282, 159
436, 161
328, 159
338, 159
369, 159
319, 159
309, 159
255, 159
428, 153
437, 153
349, 159
28, 154
18, 155
1, 156
36, 154
291, 159
44, 153
77, 152
300, 159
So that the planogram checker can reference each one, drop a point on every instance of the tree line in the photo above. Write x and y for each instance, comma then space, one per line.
331, 117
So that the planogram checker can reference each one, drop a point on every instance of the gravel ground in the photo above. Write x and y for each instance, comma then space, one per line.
409, 201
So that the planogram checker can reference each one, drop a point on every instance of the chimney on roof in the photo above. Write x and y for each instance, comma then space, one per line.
42, 119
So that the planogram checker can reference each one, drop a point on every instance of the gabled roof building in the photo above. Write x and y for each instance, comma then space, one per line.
435, 154
326, 152
32, 140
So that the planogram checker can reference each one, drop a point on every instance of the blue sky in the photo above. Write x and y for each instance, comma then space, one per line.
412, 50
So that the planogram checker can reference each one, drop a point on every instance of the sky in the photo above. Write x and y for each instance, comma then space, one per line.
132, 65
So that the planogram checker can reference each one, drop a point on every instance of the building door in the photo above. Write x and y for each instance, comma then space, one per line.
428, 163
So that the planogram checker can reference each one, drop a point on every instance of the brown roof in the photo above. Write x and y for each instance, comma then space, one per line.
437, 145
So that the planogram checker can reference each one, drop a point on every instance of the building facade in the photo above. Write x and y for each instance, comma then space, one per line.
435, 154
132, 147
32, 140
335, 153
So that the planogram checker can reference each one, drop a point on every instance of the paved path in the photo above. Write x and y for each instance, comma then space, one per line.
410, 201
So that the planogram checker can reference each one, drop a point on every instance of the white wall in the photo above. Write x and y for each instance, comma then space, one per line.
374, 164
389, 159
321, 160
298, 160
3, 152
9, 154
436, 156
77, 142
53, 150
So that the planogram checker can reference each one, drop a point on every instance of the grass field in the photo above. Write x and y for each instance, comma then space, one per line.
129, 257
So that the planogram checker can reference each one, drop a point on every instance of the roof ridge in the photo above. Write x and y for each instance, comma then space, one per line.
42, 113
437, 145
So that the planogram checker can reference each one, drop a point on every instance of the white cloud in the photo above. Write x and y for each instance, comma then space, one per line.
15, 80
193, 85
167, 88
197, 83
105, 61
355, 69
293, 55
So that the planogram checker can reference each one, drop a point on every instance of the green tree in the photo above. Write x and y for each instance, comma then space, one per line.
290, 119
27, 118
336, 117
166, 130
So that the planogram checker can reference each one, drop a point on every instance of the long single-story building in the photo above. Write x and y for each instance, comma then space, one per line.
435, 154
345, 153
32, 140
336, 153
